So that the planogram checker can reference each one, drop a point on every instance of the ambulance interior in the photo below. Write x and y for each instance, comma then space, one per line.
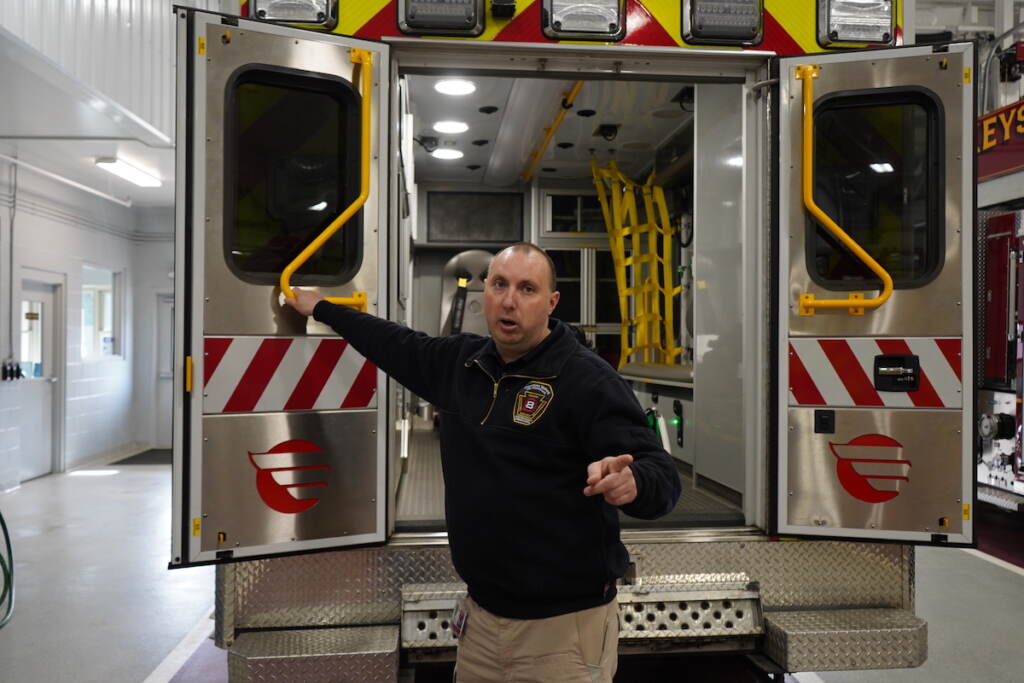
464, 195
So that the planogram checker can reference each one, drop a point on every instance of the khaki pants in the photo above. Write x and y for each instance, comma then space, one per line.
579, 647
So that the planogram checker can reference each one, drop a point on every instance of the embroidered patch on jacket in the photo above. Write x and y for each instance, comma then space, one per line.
531, 402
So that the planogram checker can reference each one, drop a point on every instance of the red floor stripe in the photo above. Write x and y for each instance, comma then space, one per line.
925, 396
851, 374
800, 382
363, 388
313, 379
214, 349
951, 350
257, 376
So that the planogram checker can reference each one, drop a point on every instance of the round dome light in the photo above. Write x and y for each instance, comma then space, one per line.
451, 127
446, 153
455, 86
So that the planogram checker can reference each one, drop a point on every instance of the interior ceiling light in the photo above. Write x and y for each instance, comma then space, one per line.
856, 21
883, 167
451, 127
446, 153
130, 173
735, 162
455, 86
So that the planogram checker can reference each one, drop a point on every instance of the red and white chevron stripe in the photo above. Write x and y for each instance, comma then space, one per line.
271, 374
839, 372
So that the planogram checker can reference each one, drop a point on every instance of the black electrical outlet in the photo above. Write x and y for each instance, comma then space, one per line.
824, 422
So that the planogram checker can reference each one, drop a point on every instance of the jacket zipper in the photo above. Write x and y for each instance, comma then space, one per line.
494, 392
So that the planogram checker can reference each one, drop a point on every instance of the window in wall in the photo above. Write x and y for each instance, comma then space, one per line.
100, 313
573, 213
567, 266
878, 173
32, 338
291, 167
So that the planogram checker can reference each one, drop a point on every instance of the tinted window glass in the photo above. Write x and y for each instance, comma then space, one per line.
291, 166
878, 175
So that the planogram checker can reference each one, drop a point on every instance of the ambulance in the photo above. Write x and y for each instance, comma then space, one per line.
762, 214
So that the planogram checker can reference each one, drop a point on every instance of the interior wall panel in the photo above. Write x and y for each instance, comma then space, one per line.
121, 48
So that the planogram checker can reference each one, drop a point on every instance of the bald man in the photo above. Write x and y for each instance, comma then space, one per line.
542, 443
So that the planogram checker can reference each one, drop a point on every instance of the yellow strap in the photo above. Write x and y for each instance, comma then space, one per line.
564, 108
358, 299
856, 303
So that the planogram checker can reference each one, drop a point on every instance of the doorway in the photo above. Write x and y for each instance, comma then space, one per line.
41, 358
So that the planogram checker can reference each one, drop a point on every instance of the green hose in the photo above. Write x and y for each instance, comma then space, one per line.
6, 576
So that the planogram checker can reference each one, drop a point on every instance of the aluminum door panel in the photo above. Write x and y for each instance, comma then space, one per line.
931, 310
891, 470
282, 478
231, 305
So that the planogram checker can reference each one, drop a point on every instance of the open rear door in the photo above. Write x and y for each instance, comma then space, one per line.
875, 322
279, 431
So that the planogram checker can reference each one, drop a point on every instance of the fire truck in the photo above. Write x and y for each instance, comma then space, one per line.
762, 214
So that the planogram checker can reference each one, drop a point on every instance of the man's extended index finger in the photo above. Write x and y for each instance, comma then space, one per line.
620, 462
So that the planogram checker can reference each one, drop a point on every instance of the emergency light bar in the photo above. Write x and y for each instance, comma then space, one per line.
856, 21
295, 11
723, 22
576, 19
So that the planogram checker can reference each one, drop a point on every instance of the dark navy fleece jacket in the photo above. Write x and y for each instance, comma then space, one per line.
516, 440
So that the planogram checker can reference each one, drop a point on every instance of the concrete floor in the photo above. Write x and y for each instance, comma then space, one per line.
96, 603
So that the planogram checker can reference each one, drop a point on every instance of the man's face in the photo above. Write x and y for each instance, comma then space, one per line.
517, 301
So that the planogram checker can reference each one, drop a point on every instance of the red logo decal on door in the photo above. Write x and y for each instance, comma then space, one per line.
857, 473
277, 475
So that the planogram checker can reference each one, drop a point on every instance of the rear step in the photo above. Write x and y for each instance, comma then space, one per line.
846, 639
358, 654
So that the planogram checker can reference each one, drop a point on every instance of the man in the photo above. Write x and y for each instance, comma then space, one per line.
542, 443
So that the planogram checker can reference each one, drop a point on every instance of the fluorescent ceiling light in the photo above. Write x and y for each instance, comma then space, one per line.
455, 86
125, 170
882, 168
734, 161
446, 154
318, 207
93, 473
451, 127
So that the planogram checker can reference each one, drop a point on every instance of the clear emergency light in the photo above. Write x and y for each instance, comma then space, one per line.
597, 19
441, 17
723, 22
856, 21
295, 11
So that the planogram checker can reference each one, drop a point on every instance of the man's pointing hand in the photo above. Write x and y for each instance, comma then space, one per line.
613, 478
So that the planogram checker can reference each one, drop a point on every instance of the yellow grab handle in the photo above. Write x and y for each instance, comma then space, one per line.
856, 303
358, 299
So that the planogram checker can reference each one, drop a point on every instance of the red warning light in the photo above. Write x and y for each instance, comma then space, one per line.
857, 473
272, 483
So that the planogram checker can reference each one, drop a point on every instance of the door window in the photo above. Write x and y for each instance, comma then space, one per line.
878, 174
291, 167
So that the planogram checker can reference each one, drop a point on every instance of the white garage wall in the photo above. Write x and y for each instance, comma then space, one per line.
58, 230
122, 48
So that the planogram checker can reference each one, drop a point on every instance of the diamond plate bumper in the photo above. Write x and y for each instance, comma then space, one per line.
846, 639
365, 654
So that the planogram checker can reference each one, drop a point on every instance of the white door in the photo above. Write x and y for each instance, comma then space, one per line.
37, 317
164, 370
